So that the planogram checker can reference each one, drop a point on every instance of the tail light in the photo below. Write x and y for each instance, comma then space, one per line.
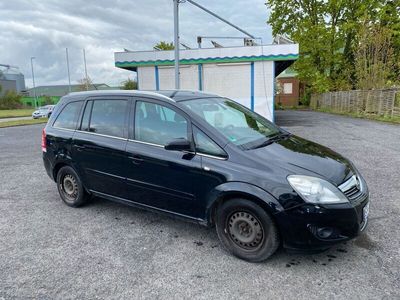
44, 140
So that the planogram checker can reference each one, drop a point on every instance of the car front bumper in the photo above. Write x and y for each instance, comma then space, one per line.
313, 227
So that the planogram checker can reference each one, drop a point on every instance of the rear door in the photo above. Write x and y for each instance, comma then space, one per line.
99, 144
155, 176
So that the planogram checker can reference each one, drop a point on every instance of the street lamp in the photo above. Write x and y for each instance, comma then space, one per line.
33, 80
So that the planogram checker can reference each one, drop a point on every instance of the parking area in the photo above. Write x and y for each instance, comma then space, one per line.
107, 250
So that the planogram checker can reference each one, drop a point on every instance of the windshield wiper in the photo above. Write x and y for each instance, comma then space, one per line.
272, 139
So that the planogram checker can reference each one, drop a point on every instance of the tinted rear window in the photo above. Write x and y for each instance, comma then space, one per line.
69, 115
108, 117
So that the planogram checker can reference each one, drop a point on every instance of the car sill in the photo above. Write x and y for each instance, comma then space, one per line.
148, 207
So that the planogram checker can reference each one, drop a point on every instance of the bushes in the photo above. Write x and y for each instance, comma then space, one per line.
11, 100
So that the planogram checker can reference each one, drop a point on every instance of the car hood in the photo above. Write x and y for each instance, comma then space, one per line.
299, 156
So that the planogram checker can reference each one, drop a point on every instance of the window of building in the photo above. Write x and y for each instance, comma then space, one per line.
288, 88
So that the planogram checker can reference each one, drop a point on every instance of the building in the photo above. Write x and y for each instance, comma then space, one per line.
11, 79
62, 90
288, 89
246, 74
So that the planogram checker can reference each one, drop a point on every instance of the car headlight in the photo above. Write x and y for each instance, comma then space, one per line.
316, 190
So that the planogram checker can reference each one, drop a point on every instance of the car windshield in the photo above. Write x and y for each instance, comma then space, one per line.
240, 125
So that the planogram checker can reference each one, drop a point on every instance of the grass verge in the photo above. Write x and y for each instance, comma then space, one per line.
13, 113
22, 122
394, 120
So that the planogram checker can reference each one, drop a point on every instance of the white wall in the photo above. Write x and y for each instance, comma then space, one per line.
231, 80
146, 78
188, 76
228, 80
264, 88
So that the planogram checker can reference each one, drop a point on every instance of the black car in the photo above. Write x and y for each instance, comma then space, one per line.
206, 159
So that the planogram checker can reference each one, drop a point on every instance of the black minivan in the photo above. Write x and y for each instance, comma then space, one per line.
206, 159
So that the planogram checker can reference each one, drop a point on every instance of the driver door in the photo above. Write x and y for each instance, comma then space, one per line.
157, 177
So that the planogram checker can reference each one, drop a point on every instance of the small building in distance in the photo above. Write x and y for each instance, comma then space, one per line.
289, 88
62, 90
11, 79
245, 74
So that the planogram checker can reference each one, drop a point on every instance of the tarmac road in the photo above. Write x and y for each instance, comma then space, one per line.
110, 251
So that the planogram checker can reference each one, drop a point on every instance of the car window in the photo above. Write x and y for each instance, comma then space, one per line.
158, 124
205, 145
69, 115
86, 116
241, 126
108, 117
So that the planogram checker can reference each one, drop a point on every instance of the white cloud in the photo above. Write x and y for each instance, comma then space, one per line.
44, 28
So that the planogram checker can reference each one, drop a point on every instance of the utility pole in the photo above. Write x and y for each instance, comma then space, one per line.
69, 78
87, 78
176, 43
33, 80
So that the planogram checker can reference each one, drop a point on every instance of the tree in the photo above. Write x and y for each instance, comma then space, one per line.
129, 84
47, 100
10, 100
86, 84
164, 46
327, 32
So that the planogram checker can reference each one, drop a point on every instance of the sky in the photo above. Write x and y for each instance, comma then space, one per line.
44, 28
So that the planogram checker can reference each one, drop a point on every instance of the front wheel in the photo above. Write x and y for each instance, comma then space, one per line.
246, 230
70, 187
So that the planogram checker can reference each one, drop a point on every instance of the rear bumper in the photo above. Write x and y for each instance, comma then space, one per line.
312, 227
48, 166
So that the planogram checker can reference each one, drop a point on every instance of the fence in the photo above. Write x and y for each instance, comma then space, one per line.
372, 102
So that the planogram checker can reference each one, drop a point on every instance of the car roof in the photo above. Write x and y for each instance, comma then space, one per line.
174, 95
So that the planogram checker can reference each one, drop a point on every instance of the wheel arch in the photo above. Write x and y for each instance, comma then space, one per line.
232, 190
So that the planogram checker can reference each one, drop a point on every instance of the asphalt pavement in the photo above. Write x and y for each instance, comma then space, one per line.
110, 251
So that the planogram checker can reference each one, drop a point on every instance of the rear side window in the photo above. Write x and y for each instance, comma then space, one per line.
86, 116
108, 117
68, 116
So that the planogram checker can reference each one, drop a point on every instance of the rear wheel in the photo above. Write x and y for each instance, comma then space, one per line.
246, 230
70, 187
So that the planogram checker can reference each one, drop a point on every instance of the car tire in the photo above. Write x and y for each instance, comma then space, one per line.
70, 187
246, 230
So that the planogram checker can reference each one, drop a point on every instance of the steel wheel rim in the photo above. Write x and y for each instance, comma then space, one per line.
245, 230
69, 186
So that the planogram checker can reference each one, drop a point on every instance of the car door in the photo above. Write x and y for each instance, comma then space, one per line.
157, 177
99, 144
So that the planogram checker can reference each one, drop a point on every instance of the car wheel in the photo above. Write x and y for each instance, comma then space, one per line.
246, 230
70, 187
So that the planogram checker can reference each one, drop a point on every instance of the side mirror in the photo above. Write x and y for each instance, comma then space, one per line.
178, 145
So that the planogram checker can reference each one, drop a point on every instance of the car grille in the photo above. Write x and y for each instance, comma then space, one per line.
352, 189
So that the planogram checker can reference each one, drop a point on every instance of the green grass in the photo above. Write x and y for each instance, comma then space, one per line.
22, 122
11, 113
394, 120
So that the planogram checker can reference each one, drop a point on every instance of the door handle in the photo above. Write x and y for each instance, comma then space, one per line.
135, 159
80, 148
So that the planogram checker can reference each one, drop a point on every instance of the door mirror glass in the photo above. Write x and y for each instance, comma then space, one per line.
178, 145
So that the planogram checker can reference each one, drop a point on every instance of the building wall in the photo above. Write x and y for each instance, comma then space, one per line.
289, 91
249, 83
7, 85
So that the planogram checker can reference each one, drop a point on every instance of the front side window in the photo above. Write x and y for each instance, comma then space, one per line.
240, 125
158, 124
108, 117
68, 116
205, 145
